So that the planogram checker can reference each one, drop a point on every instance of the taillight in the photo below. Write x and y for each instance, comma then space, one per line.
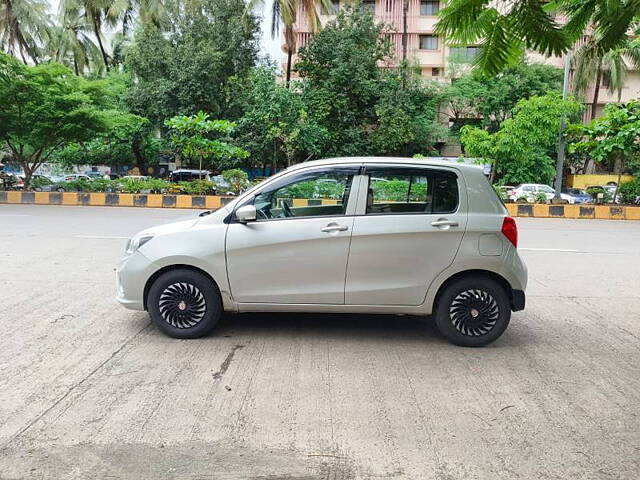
510, 230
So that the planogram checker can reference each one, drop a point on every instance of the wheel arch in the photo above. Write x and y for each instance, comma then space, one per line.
168, 268
475, 272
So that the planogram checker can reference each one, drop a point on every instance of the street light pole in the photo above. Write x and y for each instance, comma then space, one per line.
563, 125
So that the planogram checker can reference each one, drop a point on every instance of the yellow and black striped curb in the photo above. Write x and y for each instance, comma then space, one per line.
601, 212
210, 202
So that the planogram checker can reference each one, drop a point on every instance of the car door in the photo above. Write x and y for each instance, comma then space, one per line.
407, 233
296, 251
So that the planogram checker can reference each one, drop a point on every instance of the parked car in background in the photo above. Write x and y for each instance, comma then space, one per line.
187, 175
607, 191
94, 175
440, 242
70, 177
135, 177
531, 190
579, 196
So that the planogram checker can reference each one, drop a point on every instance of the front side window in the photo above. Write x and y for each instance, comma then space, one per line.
401, 191
309, 194
428, 42
369, 5
429, 8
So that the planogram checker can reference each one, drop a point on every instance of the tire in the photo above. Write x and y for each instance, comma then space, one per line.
473, 311
184, 303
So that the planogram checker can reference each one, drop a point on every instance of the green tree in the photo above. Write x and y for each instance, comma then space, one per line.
24, 27
613, 138
523, 149
489, 100
363, 108
42, 109
275, 127
127, 139
189, 69
195, 139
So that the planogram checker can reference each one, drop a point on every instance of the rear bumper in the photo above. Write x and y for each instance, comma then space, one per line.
517, 300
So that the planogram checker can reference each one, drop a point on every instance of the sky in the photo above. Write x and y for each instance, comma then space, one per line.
268, 46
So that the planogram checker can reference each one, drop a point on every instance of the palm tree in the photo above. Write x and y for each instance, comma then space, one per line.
24, 27
71, 42
94, 13
504, 28
285, 12
591, 61
147, 12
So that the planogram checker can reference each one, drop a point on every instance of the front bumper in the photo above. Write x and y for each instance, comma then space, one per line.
131, 277
517, 300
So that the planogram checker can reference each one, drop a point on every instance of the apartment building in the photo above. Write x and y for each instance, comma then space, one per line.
435, 58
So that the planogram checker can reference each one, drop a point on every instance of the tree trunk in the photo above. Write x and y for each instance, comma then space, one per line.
289, 59
75, 65
596, 91
28, 173
589, 165
290, 41
405, 9
137, 154
96, 31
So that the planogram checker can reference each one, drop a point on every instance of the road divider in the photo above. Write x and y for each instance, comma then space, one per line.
213, 202
601, 212
209, 202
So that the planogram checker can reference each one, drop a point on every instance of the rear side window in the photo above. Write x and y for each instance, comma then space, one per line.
405, 191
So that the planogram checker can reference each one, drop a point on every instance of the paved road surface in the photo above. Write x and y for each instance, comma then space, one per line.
90, 390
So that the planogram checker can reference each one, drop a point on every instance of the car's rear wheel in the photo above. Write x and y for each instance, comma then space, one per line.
473, 311
184, 303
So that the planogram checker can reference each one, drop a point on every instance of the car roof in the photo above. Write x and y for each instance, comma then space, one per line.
423, 161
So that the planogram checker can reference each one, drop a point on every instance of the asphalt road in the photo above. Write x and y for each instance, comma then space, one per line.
90, 390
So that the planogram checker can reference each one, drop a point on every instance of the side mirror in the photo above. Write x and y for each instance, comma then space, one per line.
246, 214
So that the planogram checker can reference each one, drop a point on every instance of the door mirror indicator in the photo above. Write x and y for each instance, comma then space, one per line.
246, 214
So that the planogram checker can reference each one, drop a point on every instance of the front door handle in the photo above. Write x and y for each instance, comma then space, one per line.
443, 222
334, 227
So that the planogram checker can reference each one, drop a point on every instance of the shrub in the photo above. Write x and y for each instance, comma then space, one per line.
540, 198
198, 187
102, 185
78, 185
630, 191
237, 179
39, 182
502, 194
131, 185
607, 197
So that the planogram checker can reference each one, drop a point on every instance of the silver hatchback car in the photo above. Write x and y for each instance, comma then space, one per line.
359, 235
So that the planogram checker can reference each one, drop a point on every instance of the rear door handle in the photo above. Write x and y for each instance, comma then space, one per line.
443, 222
334, 227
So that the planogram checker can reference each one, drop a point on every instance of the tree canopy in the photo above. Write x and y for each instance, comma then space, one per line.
42, 109
523, 149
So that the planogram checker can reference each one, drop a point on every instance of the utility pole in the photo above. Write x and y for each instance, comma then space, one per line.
563, 125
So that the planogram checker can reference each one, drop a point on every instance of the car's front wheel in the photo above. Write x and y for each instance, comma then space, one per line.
473, 311
184, 303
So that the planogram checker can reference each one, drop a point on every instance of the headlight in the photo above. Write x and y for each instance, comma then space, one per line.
135, 242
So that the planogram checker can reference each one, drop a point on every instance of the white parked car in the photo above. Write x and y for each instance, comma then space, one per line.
531, 190
393, 236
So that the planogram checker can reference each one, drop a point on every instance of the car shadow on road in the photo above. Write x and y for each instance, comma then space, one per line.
330, 325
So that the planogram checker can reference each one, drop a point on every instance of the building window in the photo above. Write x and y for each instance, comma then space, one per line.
464, 54
369, 5
429, 8
605, 79
428, 42
334, 8
435, 72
